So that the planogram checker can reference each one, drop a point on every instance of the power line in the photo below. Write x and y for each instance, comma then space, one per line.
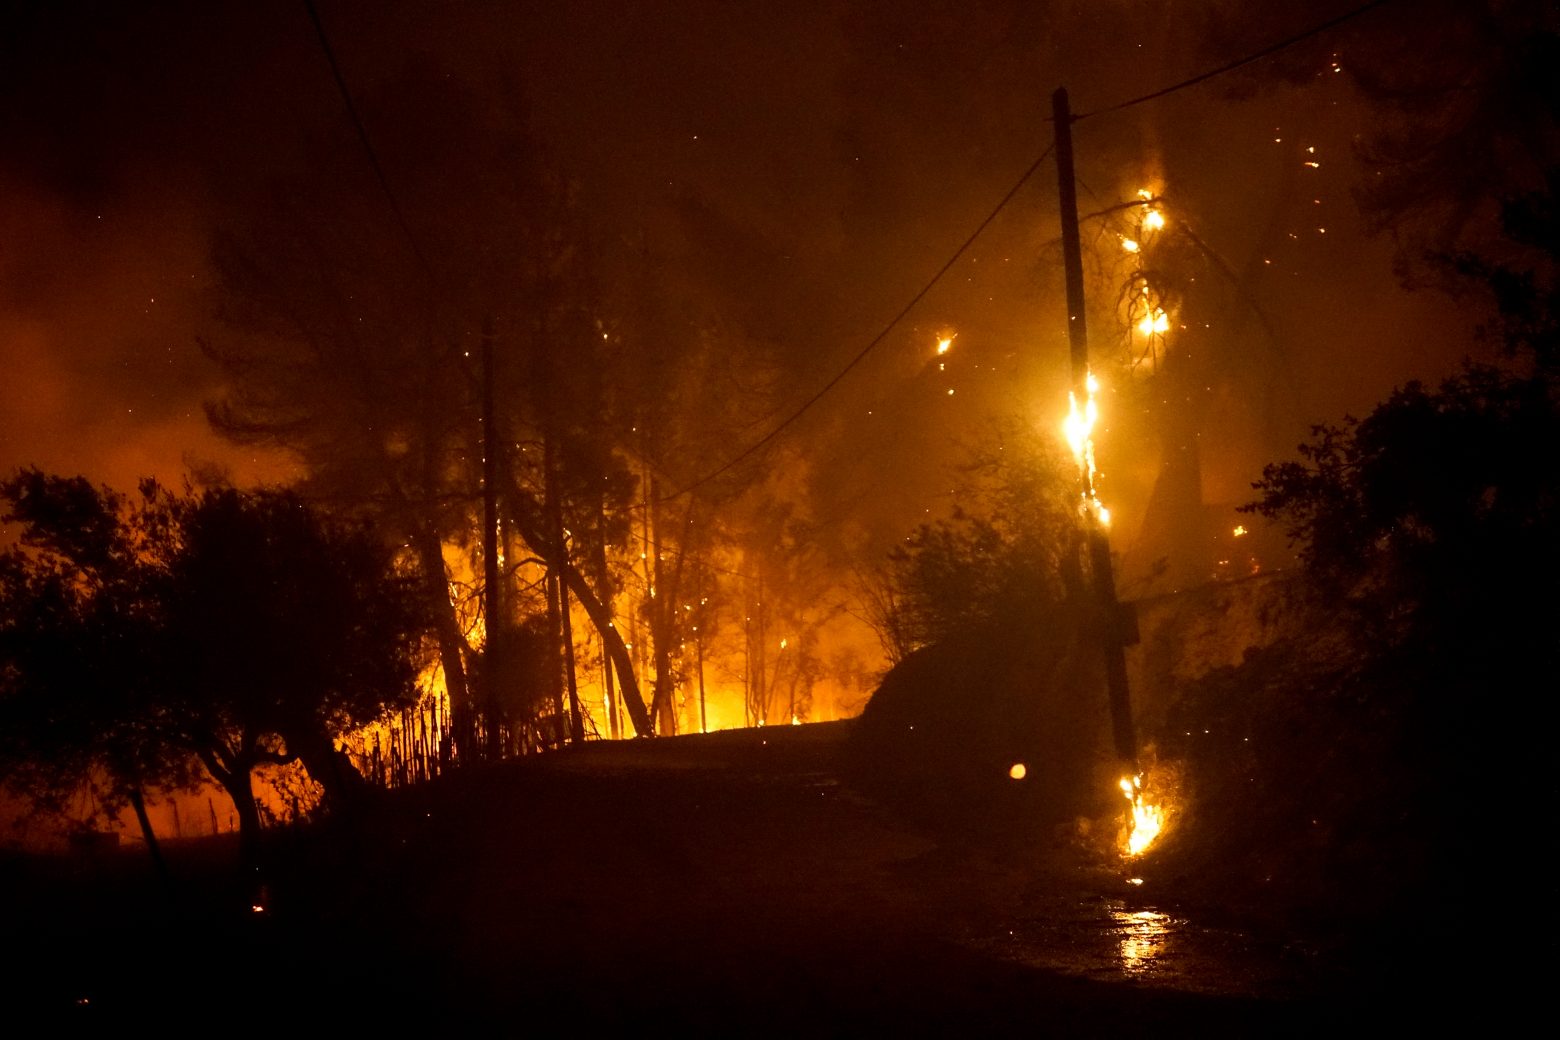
1247, 60
872, 344
362, 133
1272, 48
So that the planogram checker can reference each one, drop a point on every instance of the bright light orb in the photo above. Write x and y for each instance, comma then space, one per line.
1019, 771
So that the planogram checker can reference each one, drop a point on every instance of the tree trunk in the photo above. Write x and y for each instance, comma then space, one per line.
153, 849
235, 778
665, 618
452, 642
560, 603
527, 518
345, 787
663, 597
604, 584
492, 584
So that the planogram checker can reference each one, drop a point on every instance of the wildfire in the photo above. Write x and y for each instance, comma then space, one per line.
1147, 820
1157, 322
1154, 219
1146, 314
1079, 430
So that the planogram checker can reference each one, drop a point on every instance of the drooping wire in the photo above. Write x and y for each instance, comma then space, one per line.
1203, 77
362, 134
871, 344
1272, 48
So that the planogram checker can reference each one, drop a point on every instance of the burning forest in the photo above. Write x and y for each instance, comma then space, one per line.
965, 516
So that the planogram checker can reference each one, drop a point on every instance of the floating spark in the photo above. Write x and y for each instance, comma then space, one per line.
1019, 771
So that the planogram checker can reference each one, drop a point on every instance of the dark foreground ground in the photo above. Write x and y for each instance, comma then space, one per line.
727, 885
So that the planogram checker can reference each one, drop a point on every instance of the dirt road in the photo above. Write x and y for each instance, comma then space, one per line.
727, 884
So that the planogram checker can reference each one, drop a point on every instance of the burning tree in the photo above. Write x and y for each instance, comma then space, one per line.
361, 350
529, 468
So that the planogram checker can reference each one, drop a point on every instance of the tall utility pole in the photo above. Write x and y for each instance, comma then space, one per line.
492, 580
1108, 609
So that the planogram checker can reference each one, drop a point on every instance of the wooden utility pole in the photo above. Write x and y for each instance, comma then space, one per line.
1108, 609
492, 580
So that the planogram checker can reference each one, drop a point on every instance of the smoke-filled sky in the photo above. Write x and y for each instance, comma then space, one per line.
803, 168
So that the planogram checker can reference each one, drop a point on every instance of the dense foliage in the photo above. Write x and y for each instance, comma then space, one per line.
1008, 548
141, 635
1433, 516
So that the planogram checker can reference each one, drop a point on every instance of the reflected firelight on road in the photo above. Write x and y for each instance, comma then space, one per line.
1142, 936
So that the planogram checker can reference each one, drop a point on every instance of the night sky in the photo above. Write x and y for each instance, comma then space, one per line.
801, 170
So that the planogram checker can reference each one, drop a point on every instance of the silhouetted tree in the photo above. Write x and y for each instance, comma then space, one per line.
356, 346
1010, 544
78, 675
233, 629
1434, 516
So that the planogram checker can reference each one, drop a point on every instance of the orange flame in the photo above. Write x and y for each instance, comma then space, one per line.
1147, 820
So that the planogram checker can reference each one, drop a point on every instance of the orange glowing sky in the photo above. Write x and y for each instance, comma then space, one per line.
800, 171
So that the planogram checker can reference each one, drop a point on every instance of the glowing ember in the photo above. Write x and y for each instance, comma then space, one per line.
1019, 771
1157, 322
1129, 245
1079, 426
1147, 820
943, 344
1240, 530
1154, 219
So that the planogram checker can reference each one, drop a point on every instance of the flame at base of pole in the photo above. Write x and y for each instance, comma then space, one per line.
1147, 821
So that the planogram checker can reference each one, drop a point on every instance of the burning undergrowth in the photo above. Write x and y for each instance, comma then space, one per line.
1316, 797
